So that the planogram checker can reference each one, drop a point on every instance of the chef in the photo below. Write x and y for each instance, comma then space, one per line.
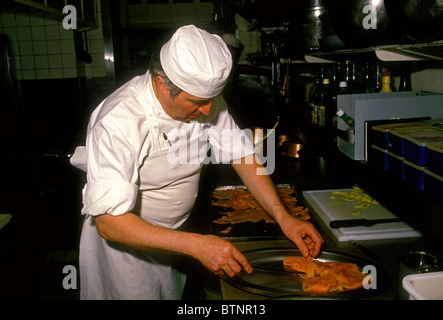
137, 198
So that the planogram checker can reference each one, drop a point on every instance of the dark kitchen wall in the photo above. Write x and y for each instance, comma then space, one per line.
51, 114
39, 188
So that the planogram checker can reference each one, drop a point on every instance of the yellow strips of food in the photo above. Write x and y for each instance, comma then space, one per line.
362, 199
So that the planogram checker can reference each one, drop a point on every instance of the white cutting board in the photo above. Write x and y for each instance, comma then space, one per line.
328, 208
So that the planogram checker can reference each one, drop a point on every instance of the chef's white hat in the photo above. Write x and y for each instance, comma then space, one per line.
196, 61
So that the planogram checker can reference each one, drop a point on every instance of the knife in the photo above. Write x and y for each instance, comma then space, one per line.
365, 250
359, 222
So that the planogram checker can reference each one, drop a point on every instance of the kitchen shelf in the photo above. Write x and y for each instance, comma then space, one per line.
410, 52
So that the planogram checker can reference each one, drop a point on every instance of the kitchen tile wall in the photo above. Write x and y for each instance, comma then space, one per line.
41, 48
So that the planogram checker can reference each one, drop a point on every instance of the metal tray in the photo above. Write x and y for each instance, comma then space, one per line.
279, 283
246, 230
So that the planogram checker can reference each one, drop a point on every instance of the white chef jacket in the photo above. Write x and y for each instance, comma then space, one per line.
140, 160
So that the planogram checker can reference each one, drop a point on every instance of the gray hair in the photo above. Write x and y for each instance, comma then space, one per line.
155, 69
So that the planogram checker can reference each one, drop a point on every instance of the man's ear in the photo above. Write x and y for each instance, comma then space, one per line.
161, 85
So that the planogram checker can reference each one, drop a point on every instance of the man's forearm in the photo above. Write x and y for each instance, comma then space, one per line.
137, 233
217, 254
261, 187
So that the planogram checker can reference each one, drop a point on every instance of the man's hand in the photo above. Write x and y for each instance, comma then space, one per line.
221, 257
303, 234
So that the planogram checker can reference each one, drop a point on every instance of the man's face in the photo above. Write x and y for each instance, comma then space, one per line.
184, 106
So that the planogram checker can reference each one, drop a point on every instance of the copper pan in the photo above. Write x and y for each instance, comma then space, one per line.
291, 149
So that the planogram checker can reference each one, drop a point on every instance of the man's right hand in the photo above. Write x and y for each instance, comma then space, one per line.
221, 257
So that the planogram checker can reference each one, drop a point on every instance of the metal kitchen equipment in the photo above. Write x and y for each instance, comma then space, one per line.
291, 149
383, 106
349, 19
420, 21
415, 262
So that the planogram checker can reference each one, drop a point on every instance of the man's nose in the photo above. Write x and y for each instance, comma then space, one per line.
206, 108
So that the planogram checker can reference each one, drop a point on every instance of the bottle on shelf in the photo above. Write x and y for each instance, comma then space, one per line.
350, 134
348, 75
377, 78
405, 80
386, 82
322, 72
343, 88
314, 100
357, 78
346, 118
337, 75
325, 107
333, 78
368, 83
308, 88
321, 114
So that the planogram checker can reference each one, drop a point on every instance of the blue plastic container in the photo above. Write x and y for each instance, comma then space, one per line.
380, 157
414, 175
416, 146
396, 165
435, 158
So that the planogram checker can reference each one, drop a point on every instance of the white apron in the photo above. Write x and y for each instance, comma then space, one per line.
166, 196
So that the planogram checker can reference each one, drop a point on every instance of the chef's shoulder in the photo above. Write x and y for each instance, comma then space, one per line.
130, 97
123, 110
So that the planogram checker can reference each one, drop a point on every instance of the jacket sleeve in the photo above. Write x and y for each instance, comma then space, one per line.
112, 171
